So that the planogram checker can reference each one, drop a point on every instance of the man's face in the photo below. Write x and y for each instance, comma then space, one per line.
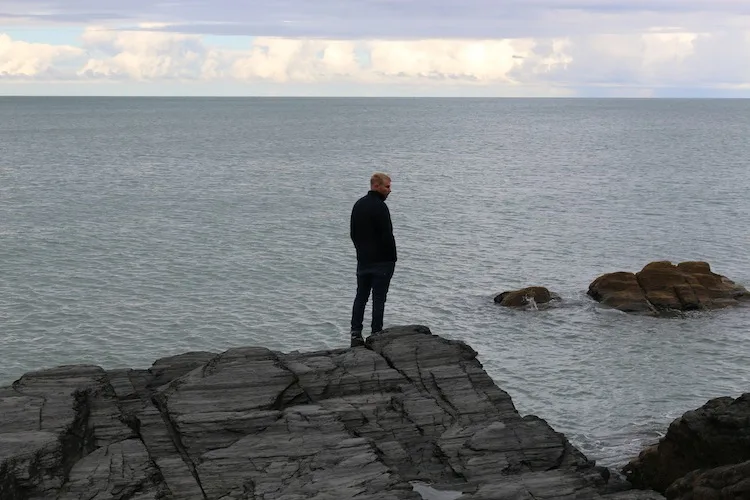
384, 188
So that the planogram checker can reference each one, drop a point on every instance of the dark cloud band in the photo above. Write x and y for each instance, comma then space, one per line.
370, 18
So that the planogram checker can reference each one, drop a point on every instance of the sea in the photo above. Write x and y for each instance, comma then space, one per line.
137, 228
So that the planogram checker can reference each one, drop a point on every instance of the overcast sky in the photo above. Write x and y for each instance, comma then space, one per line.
376, 47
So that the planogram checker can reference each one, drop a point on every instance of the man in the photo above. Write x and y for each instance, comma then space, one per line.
372, 234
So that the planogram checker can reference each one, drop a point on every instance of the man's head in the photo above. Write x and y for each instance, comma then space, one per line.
381, 183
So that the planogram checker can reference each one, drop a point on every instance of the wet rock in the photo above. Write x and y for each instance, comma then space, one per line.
663, 286
250, 423
704, 454
525, 296
730, 481
621, 291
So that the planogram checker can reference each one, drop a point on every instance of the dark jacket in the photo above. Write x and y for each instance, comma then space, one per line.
371, 230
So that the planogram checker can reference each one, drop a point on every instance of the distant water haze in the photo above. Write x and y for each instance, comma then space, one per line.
137, 228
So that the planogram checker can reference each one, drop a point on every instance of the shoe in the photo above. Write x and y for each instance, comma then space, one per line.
357, 340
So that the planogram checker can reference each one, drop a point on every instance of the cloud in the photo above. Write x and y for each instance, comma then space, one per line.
649, 58
383, 61
391, 19
20, 59
292, 60
629, 63
146, 56
509, 47
153, 56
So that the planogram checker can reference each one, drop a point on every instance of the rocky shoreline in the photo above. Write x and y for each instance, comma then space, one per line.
704, 454
411, 415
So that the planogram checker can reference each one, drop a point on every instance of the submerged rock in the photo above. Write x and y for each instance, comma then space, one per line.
704, 454
663, 286
250, 423
526, 296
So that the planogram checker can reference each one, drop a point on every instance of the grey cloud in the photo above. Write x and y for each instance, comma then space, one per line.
88, 17
369, 18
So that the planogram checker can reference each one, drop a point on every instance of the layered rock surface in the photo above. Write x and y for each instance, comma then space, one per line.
254, 424
663, 286
705, 454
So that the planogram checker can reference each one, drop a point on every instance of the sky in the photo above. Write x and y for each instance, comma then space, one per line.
466, 48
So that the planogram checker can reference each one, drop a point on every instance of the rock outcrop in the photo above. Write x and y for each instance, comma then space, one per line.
663, 286
526, 296
251, 423
704, 454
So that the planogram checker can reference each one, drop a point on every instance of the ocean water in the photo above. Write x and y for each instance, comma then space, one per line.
137, 228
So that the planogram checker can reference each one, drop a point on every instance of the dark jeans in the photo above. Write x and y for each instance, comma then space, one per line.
376, 278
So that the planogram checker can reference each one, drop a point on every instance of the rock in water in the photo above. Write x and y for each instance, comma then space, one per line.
251, 423
705, 454
663, 286
523, 297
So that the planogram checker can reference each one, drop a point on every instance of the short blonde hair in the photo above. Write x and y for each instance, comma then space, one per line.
379, 178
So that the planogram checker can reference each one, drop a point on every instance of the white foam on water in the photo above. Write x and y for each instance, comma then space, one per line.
531, 303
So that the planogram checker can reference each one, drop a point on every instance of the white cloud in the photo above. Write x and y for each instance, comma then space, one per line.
383, 61
155, 55
481, 61
291, 60
33, 60
144, 56
637, 59
722, 58
655, 58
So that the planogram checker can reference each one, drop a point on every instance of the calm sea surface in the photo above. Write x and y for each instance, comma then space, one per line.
132, 229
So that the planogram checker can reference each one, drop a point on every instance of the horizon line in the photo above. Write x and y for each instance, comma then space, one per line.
208, 96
